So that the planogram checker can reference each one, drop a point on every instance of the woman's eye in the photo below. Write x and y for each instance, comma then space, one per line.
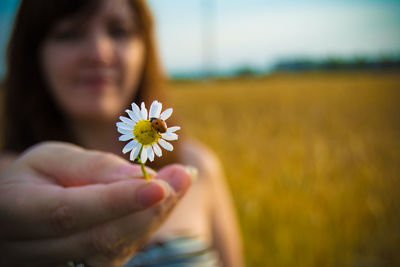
120, 31
67, 35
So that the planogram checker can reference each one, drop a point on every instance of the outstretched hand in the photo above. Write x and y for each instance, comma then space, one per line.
59, 202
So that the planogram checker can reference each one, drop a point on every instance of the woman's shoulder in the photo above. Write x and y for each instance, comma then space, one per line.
199, 155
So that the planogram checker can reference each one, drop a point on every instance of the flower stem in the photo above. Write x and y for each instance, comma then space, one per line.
146, 176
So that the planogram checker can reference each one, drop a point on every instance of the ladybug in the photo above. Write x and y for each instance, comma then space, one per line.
159, 125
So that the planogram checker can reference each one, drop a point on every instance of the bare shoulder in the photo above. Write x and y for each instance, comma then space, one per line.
199, 155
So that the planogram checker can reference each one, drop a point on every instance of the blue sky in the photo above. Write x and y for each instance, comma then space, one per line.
259, 33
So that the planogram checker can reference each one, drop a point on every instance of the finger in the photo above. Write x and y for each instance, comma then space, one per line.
71, 165
48, 211
121, 240
177, 176
99, 245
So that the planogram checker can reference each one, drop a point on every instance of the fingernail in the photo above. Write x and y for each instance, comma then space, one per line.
151, 193
193, 172
178, 182
165, 185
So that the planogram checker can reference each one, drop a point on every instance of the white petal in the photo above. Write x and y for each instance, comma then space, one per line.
157, 149
136, 110
166, 114
173, 129
128, 147
155, 109
127, 121
152, 109
165, 144
143, 156
132, 115
158, 111
123, 130
144, 111
169, 136
135, 152
126, 137
123, 125
150, 153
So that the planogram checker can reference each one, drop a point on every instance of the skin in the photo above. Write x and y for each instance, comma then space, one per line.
62, 202
209, 196
93, 66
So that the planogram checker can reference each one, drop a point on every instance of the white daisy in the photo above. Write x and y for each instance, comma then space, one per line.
146, 132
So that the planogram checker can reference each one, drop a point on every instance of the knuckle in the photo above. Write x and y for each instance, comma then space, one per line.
98, 160
61, 218
110, 203
34, 150
43, 148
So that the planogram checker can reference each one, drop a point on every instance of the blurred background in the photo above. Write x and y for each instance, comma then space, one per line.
301, 101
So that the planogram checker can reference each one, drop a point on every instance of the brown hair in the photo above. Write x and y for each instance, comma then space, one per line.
30, 114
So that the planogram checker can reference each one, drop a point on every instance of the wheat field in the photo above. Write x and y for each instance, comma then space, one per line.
312, 160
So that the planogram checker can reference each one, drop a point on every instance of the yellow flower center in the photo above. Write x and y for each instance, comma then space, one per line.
144, 133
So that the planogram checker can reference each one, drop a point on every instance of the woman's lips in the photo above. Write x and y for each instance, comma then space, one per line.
96, 83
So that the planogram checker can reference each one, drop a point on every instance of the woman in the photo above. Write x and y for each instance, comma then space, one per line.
73, 67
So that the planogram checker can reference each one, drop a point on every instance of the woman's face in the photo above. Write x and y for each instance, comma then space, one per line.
92, 67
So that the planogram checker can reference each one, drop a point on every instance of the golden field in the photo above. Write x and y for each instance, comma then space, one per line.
312, 159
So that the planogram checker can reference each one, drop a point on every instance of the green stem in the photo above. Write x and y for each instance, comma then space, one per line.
146, 176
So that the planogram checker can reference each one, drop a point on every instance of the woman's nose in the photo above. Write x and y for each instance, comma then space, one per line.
99, 49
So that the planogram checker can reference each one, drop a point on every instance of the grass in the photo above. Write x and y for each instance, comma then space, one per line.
312, 160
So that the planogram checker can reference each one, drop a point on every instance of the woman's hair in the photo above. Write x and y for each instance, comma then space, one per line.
30, 113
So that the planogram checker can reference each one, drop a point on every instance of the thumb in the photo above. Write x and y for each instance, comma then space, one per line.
177, 176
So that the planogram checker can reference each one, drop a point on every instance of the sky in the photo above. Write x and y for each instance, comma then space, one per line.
224, 35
